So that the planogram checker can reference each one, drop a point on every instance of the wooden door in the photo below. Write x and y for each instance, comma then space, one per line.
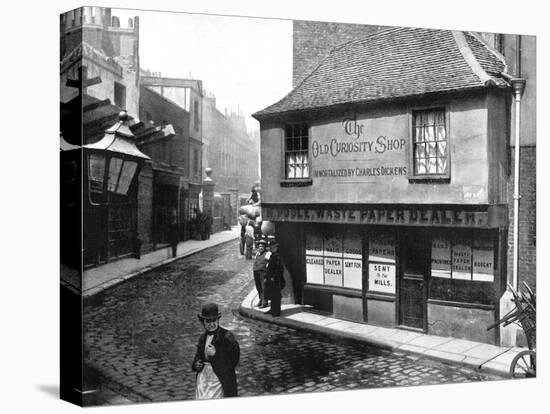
414, 262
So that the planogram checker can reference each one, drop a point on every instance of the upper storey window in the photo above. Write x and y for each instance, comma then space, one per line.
296, 151
430, 144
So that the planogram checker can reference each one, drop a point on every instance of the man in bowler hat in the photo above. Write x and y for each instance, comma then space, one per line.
259, 270
217, 356
274, 279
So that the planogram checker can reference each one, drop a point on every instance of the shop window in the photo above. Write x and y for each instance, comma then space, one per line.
463, 257
382, 263
430, 155
296, 151
334, 259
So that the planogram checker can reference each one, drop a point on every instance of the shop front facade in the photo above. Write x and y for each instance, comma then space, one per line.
391, 207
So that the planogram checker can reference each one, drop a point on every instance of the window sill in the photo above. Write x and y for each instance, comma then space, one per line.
296, 182
430, 179
339, 290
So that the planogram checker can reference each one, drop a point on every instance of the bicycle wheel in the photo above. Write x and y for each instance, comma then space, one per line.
524, 365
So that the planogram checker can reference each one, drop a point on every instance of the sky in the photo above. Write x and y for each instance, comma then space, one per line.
245, 62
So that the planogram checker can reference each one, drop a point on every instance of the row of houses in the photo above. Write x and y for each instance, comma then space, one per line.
173, 124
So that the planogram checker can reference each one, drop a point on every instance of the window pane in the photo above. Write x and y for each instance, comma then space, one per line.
432, 165
304, 131
95, 172
420, 151
291, 166
114, 171
298, 170
306, 166
429, 133
432, 150
128, 171
289, 144
304, 143
421, 166
431, 118
442, 149
441, 166
441, 133
440, 118
419, 134
288, 131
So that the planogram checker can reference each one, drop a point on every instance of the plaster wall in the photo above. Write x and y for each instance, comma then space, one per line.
356, 177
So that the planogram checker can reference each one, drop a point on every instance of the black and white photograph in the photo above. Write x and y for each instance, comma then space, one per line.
292, 208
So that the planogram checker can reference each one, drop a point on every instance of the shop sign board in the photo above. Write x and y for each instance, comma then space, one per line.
314, 269
441, 258
462, 262
483, 261
333, 271
353, 273
391, 215
382, 277
382, 249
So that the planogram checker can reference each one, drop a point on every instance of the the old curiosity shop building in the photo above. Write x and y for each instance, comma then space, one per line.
385, 173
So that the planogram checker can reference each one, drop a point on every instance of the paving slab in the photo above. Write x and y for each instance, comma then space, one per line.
404, 337
362, 329
506, 358
456, 346
326, 321
341, 326
307, 317
484, 351
412, 348
429, 341
447, 356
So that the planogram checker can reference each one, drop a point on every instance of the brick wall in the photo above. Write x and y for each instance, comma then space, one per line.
314, 40
527, 217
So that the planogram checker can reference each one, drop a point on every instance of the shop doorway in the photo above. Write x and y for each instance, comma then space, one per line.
414, 258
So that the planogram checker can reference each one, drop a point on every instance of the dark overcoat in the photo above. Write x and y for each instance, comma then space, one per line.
274, 278
224, 362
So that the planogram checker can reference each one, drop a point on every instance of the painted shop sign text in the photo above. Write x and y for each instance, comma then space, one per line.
407, 216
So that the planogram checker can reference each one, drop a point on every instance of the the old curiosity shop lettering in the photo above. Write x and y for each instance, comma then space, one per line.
378, 145
390, 215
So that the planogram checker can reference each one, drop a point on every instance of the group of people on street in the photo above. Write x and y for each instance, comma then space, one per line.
218, 352
268, 270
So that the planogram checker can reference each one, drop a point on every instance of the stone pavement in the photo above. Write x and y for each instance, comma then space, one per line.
140, 337
482, 357
99, 278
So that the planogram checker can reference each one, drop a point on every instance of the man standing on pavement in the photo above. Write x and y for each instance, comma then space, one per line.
259, 269
217, 356
249, 241
274, 280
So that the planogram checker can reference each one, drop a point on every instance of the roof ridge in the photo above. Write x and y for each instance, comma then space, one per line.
491, 49
469, 56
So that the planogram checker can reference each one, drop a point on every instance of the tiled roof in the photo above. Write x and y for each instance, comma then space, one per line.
395, 63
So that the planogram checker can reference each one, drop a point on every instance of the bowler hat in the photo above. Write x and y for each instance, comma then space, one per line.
210, 311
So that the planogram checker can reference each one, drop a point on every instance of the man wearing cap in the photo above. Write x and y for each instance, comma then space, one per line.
274, 279
259, 269
217, 356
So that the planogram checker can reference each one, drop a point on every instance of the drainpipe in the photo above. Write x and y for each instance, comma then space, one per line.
518, 85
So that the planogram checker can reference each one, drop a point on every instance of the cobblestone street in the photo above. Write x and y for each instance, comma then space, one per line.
141, 335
